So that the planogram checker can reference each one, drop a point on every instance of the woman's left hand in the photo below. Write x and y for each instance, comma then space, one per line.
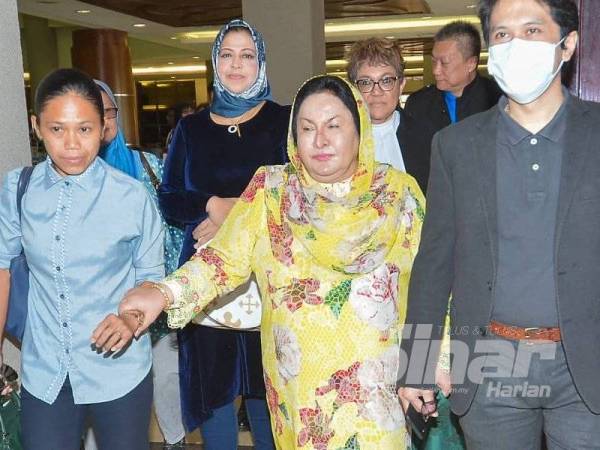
114, 333
204, 232
218, 208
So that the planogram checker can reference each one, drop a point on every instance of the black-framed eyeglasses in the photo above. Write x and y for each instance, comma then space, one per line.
366, 85
111, 113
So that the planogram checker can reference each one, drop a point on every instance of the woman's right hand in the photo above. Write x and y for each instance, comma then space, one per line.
144, 299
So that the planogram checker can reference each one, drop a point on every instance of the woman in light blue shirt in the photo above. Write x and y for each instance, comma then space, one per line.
90, 233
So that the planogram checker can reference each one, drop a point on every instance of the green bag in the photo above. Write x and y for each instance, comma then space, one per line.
10, 425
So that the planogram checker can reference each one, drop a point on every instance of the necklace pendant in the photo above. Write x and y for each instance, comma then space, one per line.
233, 129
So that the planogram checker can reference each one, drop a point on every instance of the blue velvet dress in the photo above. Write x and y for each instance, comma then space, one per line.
204, 159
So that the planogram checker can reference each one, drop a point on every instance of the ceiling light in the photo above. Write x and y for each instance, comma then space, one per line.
195, 57
471, 6
336, 28
199, 68
173, 37
83, 11
139, 25
170, 62
172, 78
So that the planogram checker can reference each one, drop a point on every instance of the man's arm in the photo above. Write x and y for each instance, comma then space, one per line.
431, 279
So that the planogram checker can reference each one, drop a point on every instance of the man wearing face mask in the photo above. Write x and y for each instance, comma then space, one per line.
512, 232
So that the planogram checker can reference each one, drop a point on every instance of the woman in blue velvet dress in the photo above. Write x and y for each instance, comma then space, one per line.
212, 157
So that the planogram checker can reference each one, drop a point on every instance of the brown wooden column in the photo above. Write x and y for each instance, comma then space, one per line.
585, 77
104, 54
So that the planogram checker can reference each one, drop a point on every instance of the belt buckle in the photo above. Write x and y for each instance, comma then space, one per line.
530, 331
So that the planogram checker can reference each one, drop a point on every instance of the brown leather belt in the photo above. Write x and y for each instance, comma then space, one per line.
531, 334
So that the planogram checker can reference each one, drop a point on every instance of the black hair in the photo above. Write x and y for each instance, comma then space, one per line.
465, 34
564, 13
326, 83
65, 81
178, 109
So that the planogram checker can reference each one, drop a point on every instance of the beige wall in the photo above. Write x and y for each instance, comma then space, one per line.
295, 39
13, 116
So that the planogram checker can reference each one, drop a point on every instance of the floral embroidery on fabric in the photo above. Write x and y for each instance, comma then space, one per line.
274, 406
351, 444
287, 352
209, 256
297, 293
374, 298
281, 241
346, 384
377, 378
257, 182
316, 428
338, 296
409, 207
367, 261
294, 206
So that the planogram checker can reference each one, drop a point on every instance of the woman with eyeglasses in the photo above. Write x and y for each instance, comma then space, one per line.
148, 169
376, 67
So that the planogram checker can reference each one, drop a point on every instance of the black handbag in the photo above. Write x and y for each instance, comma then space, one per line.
19, 275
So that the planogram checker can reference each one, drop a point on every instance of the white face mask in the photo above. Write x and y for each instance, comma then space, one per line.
523, 69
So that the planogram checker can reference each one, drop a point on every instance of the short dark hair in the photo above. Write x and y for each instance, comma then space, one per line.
564, 13
465, 34
325, 83
66, 81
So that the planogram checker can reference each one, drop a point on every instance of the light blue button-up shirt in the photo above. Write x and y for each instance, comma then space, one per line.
88, 239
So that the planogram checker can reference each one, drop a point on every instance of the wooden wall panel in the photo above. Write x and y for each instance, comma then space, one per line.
585, 78
104, 54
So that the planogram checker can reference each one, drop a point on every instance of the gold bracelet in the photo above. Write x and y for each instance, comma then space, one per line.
138, 315
163, 290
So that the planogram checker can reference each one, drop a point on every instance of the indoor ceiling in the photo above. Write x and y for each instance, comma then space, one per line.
181, 31
194, 13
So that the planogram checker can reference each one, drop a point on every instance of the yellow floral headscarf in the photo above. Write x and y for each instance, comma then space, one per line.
351, 233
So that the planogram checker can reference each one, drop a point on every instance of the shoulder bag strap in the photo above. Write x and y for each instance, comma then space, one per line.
149, 171
24, 178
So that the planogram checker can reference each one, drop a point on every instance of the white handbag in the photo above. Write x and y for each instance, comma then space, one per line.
240, 309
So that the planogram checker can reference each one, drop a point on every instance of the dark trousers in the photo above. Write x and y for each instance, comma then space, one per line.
220, 432
531, 395
120, 424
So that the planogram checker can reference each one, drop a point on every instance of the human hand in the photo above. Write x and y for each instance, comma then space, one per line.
204, 232
421, 399
218, 208
7, 377
145, 300
113, 333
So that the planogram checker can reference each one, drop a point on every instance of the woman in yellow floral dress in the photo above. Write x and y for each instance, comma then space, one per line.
331, 238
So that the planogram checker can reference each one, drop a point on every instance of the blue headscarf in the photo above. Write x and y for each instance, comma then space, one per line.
229, 104
116, 153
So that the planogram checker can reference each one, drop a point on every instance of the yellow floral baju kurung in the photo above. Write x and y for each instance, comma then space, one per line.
332, 263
